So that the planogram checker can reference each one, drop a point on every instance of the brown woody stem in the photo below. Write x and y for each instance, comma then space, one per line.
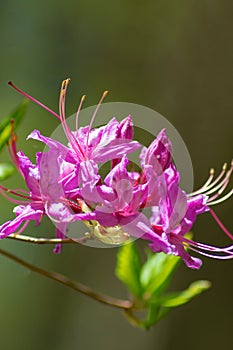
30, 239
78, 287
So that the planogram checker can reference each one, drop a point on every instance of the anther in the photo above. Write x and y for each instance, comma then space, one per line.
224, 168
212, 171
65, 83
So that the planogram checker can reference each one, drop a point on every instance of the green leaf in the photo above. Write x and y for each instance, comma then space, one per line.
157, 272
6, 170
152, 315
159, 307
5, 124
128, 268
180, 298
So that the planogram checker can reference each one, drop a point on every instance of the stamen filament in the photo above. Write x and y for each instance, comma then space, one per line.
221, 224
206, 247
78, 112
14, 193
221, 257
12, 150
218, 193
222, 185
209, 180
105, 93
212, 172
22, 228
68, 132
12, 200
34, 100
228, 195
205, 188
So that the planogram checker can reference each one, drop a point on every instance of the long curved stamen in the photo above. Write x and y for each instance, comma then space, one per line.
12, 200
78, 112
14, 193
207, 247
209, 184
73, 141
105, 93
221, 224
206, 250
209, 251
34, 100
219, 177
218, 193
21, 190
222, 199
22, 228
11, 145
221, 257
209, 180
222, 185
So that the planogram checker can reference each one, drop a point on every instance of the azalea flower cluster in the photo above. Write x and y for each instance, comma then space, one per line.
66, 185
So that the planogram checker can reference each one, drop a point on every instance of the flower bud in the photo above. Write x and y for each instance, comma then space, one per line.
159, 153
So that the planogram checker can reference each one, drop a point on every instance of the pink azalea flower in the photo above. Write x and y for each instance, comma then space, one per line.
110, 141
45, 195
66, 185
177, 212
118, 203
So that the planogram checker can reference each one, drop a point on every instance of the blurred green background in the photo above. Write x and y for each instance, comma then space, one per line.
172, 56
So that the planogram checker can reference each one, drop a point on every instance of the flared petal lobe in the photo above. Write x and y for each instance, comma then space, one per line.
23, 213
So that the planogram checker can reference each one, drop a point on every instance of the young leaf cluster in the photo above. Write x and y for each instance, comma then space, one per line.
148, 284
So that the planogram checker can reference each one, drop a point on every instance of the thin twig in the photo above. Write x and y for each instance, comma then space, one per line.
30, 239
102, 298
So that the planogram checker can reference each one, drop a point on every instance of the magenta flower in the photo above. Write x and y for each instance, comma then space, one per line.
122, 196
177, 213
44, 196
76, 168
108, 142
65, 185
118, 202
